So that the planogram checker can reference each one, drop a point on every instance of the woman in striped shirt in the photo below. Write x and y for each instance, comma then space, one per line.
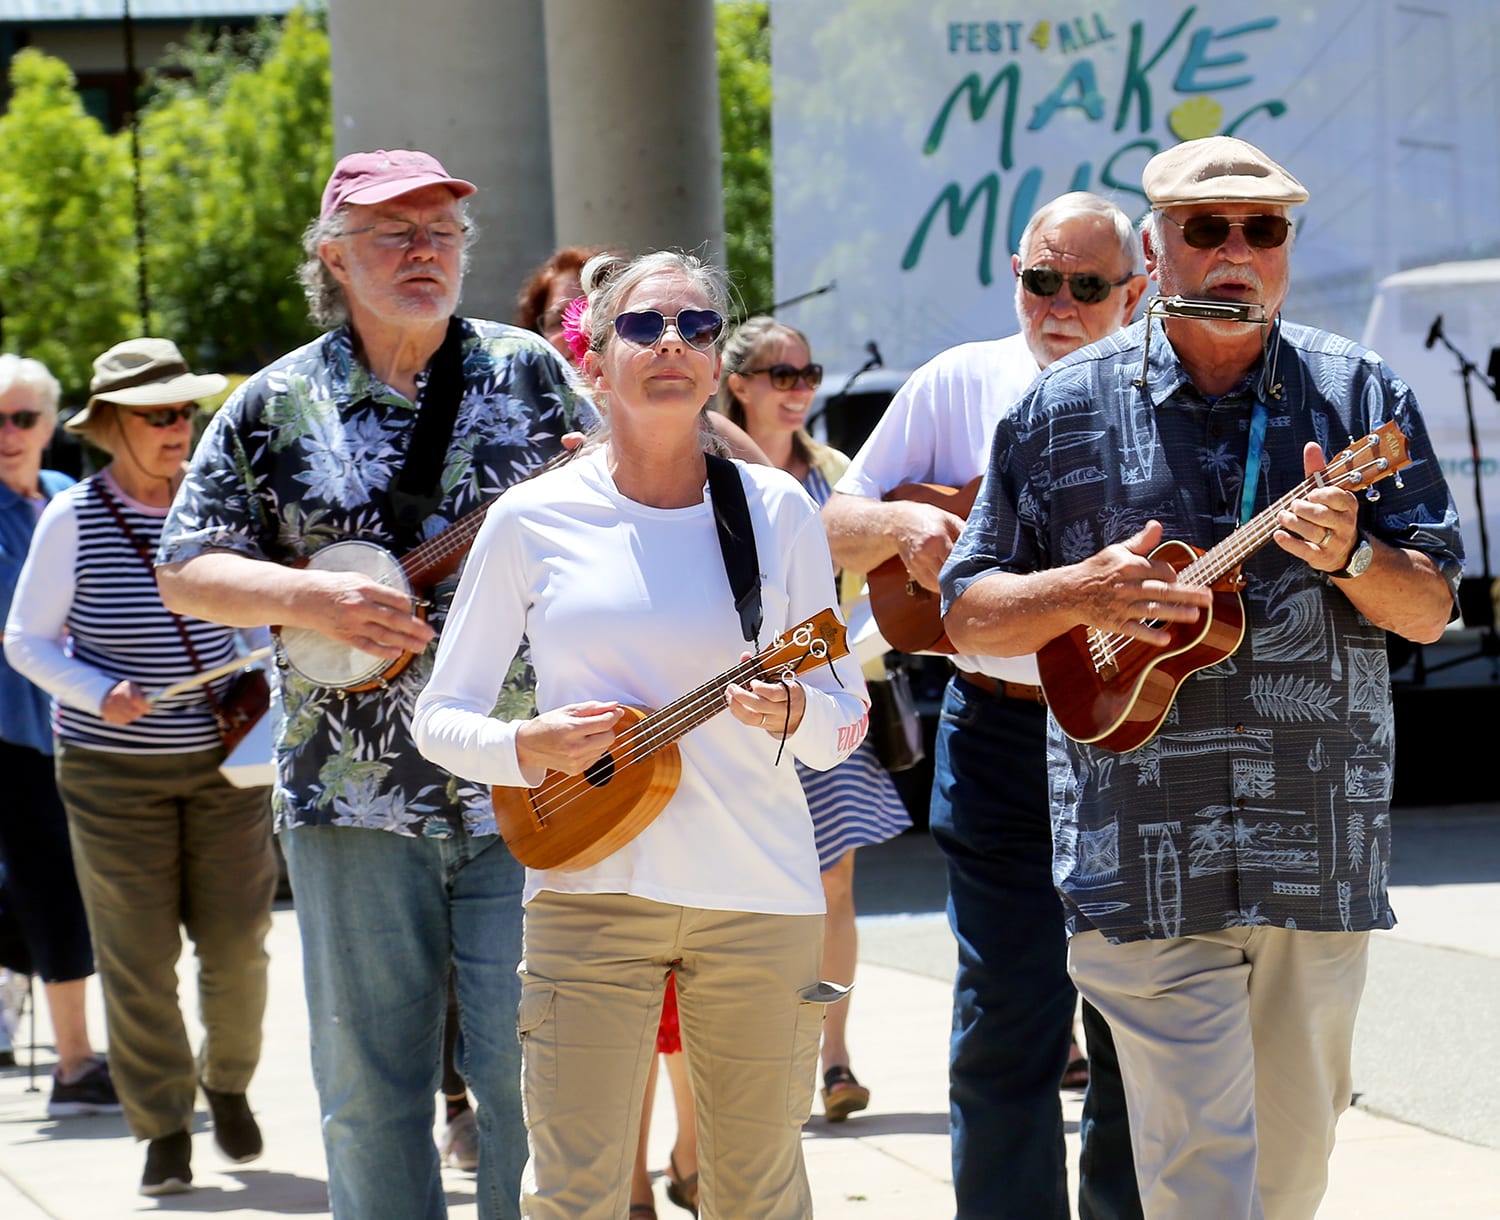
161, 840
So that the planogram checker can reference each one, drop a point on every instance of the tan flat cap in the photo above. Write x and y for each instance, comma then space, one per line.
1218, 169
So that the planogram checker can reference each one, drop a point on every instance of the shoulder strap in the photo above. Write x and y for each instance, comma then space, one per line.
737, 542
106, 497
416, 493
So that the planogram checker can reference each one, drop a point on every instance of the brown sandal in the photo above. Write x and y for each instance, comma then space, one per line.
682, 1191
843, 1095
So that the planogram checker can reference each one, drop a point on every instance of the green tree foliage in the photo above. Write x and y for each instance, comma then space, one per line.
743, 34
236, 146
236, 141
66, 279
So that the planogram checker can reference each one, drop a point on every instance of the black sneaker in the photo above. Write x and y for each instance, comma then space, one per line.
169, 1168
235, 1130
91, 1093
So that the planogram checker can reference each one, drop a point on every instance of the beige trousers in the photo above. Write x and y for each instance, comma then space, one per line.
1234, 1047
592, 974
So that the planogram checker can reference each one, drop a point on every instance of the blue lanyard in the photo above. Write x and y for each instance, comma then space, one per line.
1252, 460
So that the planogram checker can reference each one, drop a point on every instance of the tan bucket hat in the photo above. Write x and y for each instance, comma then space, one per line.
145, 373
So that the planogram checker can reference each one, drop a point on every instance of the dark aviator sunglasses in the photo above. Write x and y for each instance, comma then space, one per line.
786, 376
1086, 287
24, 420
1211, 232
698, 328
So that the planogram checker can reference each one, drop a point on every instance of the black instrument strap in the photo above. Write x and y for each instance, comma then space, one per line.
417, 491
737, 542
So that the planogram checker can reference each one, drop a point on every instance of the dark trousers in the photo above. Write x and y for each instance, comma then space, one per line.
1013, 1001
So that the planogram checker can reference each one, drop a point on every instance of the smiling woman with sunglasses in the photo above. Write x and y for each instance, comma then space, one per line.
612, 568
161, 839
768, 386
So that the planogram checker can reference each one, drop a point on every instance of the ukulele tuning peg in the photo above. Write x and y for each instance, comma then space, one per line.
1372, 495
1399, 484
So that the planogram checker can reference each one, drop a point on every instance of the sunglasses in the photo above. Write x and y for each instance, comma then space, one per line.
1086, 287
1210, 232
786, 376
698, 328
23, 420
165, 417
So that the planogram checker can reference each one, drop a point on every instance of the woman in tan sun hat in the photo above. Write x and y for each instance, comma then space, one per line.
161, 839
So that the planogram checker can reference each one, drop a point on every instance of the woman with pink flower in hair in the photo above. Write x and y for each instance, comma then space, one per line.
612, 568
551, 302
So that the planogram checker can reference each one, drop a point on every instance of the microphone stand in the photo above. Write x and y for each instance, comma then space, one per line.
874, 362
1489, 641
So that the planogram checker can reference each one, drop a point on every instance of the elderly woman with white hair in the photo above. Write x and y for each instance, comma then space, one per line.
161, 839
39, 877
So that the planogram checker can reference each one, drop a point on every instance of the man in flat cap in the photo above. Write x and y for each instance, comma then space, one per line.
1076, 280
1221, 855
397, 423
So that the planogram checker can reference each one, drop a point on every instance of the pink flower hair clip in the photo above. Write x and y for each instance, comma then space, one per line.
575, 327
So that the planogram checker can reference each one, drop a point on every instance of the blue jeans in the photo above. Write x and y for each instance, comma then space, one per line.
1012, 998
381, 916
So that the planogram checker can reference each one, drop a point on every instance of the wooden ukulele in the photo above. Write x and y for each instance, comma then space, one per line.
1110, 690
908, 614
329, 662
573, 821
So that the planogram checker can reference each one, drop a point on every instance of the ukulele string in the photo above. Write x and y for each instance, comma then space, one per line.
1106, 647
647, 736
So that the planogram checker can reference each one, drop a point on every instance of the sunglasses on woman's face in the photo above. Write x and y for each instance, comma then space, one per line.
23, 420
1086, 287
698, 328
786, 376
165, 417
1211, 232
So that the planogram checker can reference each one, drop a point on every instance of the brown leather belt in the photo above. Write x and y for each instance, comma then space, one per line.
1002, 689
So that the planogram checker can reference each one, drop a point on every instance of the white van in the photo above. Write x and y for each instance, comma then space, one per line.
1466, 296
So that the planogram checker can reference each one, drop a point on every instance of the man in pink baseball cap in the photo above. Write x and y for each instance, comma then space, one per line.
399, 421
374, 177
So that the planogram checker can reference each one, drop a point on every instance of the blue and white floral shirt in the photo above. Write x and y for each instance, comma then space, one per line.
301, 456
1265, 796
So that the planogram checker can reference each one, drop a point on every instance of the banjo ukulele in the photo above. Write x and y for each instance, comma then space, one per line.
329, 662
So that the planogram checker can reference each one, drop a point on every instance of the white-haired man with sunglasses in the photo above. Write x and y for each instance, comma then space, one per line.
1013, 1004
397, 423
1221, 865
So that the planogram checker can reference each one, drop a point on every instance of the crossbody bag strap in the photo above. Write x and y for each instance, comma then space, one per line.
107, 498
736, 542
417, 491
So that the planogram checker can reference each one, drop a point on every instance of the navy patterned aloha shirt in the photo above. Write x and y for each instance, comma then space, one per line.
300, 457
1265, 796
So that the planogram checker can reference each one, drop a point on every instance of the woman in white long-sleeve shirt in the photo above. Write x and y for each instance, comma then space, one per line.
611, 568
161, 840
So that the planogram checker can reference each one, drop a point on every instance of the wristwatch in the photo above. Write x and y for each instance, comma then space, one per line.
1359, 561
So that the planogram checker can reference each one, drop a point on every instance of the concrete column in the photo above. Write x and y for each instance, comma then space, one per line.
466, 81
634, 97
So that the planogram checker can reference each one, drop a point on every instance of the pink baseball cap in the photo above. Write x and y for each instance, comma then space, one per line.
374, 177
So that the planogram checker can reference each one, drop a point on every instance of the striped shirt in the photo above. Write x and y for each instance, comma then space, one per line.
87, 614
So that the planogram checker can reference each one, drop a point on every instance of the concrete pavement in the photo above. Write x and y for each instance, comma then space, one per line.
1423, 1139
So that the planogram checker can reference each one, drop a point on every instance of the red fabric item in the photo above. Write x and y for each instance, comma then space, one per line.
668, 1034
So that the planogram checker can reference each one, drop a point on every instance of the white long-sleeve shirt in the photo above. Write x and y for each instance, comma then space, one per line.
622, 601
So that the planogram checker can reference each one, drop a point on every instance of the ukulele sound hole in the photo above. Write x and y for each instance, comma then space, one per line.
601, 772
